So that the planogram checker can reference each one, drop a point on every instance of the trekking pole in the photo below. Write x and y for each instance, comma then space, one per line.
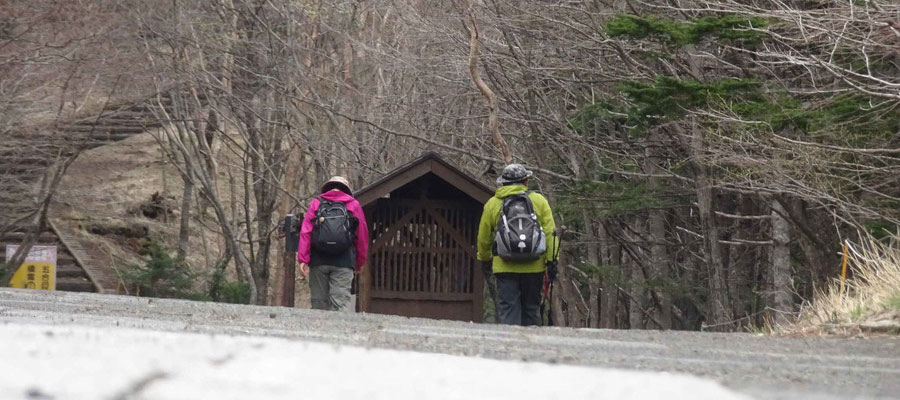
548, 282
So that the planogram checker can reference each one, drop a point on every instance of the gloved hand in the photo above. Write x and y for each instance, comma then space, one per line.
552, 270
487, 266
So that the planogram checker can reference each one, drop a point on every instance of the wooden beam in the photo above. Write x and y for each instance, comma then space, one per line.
392, 294
458, 237
393, 183
392, 230
92, 276
477, 192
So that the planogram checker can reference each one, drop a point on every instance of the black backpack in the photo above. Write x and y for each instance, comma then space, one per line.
520, 236
334, 230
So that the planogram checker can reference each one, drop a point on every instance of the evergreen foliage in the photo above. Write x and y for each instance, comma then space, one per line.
223, 290
670, 98
235, 292
881, 229
162, 276
611, 198
853, 119
600, 118
726, 27
666, 98
167, 277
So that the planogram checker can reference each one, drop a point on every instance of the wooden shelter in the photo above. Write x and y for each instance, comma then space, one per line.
423, 221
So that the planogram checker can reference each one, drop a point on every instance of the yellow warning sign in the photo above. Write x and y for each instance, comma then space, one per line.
35, 275
38, 271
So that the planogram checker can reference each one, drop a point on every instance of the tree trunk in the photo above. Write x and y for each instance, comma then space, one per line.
659, 264
820, 246
594, 260
184, 233
656, 229
781, 264
718, 311
613, 258
638, 287
283, 279
233, 247
718, 305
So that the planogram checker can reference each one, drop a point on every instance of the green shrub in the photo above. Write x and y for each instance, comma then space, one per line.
217, 280
162, 276
235, 292
222, 290
893, 302
165, 276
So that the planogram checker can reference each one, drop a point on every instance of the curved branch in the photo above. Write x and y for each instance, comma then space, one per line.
493, 123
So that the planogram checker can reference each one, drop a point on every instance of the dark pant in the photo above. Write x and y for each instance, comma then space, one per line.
519, 300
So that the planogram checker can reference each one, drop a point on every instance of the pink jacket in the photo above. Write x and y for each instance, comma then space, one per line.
362, 231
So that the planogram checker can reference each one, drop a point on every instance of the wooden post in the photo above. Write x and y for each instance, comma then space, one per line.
291, 231
477, 292
364, 290
290, 276
844, 268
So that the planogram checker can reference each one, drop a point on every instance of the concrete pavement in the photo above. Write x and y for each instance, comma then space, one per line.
755, 365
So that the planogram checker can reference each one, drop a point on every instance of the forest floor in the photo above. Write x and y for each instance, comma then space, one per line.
758, 366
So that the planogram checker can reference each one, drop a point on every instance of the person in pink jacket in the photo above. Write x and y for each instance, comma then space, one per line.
329, 251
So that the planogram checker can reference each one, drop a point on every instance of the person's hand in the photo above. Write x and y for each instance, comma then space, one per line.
552, 270
304, 269
487, 266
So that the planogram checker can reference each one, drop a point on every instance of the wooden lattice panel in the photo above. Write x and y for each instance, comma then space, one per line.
424, 247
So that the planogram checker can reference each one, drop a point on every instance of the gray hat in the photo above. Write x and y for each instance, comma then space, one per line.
337, 182
513, 173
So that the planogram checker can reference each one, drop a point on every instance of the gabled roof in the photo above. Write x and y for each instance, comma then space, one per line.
429, 162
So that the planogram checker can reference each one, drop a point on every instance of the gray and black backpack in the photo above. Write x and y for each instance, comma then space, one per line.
334, 230
520, 236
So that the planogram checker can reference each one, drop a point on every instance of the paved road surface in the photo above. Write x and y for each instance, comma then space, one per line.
755, 365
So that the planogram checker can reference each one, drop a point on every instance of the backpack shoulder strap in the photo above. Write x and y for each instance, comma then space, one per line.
328, 203
528, 201
323, 204
325, 201
508, 199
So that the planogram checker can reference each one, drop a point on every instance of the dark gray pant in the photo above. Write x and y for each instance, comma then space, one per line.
519, 298
329, 287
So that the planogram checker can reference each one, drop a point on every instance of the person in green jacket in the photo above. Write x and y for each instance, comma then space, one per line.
519, 284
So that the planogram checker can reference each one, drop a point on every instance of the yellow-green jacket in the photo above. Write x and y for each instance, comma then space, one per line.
488, 227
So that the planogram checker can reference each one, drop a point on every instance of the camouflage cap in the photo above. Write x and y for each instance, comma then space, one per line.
337, 182
513, 173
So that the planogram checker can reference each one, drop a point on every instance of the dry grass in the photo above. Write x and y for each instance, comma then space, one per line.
871, 294
106, 186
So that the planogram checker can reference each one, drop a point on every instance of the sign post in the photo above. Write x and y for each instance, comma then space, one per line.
39, 269
290, 228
